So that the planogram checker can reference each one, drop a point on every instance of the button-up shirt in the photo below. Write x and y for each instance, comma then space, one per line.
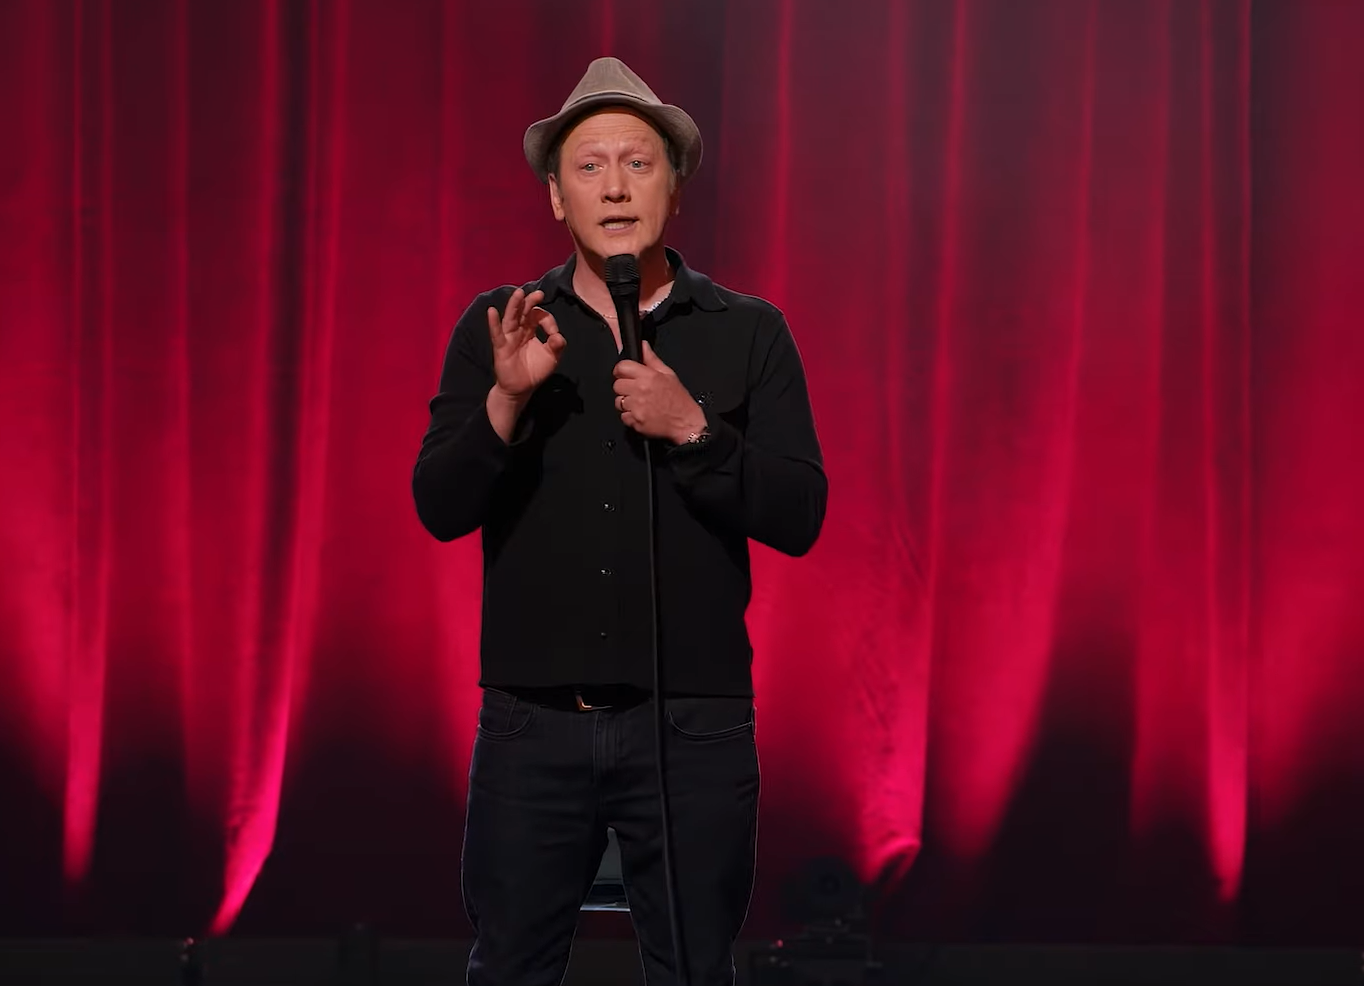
563, 506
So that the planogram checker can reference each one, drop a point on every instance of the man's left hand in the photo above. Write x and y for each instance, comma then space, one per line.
651, 400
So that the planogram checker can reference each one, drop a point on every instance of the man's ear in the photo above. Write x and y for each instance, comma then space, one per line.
556, 199
675, 207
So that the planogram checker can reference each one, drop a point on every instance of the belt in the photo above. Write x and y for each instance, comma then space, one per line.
583, 698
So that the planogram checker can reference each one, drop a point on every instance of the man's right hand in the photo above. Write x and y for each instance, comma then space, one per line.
521, 362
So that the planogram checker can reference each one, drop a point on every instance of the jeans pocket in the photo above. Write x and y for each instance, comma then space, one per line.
704, 720
504, 716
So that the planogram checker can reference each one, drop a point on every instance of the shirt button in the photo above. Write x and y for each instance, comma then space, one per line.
608, 507
606, 571
609, 444
602, 635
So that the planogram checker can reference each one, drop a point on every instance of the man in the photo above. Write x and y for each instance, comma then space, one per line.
536, 436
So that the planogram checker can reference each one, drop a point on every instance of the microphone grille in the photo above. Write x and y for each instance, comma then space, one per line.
622, 269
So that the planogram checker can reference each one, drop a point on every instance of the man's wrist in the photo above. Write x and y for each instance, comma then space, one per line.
500, 396
694, 430
504, 411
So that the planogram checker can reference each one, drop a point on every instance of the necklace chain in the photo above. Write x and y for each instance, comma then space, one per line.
643, 311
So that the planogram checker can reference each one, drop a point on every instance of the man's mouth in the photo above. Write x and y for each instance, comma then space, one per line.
615, 224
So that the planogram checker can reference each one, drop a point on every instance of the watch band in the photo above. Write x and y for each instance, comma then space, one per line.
697, 439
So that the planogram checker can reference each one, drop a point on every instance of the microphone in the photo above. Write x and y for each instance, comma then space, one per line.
622, 280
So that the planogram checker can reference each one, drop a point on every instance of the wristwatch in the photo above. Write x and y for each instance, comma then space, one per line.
696, 440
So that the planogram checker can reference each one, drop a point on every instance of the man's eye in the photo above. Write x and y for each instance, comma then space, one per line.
589, 167
636, 163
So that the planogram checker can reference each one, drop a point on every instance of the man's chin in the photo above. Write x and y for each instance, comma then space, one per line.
614, 245
597, 247
636, 246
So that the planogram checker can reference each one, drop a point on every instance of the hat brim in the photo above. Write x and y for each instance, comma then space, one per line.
672, 120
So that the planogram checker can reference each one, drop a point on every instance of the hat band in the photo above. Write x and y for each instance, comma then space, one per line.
633, 97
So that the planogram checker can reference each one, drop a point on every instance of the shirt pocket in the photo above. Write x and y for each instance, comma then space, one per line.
727, 401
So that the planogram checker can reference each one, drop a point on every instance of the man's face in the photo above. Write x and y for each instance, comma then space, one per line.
615, 189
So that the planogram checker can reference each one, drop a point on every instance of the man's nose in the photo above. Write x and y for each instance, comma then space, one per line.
616, 189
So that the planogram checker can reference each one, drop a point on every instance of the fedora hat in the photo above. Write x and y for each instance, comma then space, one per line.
610, 82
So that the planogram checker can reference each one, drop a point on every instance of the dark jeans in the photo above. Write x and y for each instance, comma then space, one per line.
544, 784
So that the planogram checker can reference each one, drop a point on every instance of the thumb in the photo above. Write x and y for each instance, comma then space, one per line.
651, 359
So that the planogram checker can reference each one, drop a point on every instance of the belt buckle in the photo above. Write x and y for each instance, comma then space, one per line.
583, 706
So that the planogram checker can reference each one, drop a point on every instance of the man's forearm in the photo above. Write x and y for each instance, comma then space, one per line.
460, 461
504, 412
776, 500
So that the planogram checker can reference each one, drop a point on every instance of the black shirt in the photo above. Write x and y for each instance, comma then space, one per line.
564, 506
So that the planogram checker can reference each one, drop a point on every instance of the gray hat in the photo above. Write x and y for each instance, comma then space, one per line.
609, 82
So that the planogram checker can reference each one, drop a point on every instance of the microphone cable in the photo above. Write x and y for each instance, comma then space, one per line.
622, 280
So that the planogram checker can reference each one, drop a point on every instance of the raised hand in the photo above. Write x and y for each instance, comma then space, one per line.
521, 362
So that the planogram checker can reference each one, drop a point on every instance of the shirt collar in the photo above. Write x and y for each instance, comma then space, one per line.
689, 286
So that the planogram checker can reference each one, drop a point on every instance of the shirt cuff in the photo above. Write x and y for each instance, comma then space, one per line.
689, 459
489, 440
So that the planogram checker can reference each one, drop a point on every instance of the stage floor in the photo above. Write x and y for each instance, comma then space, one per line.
366, 961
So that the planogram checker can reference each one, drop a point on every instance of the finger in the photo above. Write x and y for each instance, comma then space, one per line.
555, 343
495, 326
628, 369
652, 361
525, 319
546, 321
531, 319
532, 315
511, 318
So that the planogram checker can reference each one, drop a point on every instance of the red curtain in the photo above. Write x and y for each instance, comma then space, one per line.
1078, 284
